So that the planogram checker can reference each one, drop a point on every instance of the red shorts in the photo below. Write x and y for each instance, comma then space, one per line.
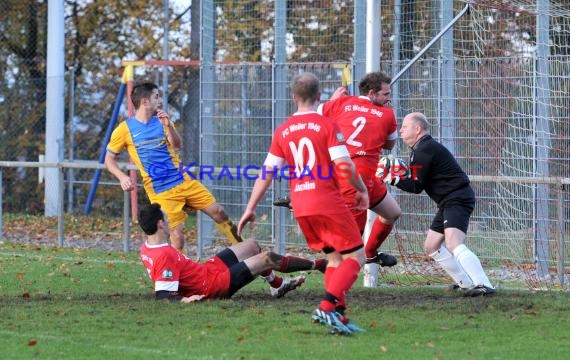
336, 231
217, 282
376, 193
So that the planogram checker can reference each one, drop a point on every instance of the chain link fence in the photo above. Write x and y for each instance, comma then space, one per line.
495, 97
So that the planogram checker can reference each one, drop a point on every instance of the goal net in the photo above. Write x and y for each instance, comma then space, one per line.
497, 92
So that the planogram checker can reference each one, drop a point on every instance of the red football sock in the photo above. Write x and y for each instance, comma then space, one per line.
294, 264
378, 234
341, 302
328, 276
340, 282
327, 304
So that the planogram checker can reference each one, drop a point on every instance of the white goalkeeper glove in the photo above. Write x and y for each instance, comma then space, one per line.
391, 179
391, 169
401, 169
384, 166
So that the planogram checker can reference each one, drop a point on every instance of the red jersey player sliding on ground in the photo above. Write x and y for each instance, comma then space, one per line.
177, 277
313, 149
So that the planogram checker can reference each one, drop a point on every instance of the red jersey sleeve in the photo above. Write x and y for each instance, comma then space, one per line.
166, 272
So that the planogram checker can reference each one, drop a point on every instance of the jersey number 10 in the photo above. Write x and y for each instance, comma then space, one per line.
298, 151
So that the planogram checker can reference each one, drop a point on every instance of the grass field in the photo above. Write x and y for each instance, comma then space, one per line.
86, 304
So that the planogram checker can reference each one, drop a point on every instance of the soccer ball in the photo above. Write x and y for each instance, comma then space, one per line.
384, 166
400, 168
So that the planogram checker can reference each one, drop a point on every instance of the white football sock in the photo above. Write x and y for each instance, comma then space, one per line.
453, 268
471, 264
269, 278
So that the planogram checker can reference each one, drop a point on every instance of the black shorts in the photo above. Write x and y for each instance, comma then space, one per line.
240, 275
455, 212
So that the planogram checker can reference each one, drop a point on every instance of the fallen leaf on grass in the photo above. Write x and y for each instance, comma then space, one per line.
32, 342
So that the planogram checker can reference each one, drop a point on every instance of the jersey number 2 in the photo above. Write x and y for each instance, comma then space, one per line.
358, 123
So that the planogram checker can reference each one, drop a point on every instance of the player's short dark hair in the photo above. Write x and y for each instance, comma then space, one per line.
149, 216
306, 87
142, 91
373, 81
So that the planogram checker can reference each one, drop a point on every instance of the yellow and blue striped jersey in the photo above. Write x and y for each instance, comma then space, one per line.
147, 147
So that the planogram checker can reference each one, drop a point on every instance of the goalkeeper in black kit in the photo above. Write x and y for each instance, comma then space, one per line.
436, 172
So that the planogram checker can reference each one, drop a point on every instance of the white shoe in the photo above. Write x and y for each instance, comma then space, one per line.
287, 285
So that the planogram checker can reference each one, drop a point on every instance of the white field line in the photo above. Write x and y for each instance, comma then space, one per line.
66, 258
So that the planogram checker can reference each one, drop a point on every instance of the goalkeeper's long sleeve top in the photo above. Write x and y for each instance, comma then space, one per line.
436, 171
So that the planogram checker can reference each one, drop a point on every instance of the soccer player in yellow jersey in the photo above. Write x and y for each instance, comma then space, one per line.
153, 144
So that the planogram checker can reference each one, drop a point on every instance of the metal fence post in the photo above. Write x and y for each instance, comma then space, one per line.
560, 229
60, 205
279, 218
126, 220
1, 206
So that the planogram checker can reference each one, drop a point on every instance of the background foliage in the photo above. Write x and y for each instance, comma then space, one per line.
100, 34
